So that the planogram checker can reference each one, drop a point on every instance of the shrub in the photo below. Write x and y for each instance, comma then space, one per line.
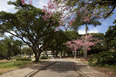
44, 57
0, 58
23, 59
103, 58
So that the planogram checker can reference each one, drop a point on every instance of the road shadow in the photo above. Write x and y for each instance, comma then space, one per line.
63, 67
38, 65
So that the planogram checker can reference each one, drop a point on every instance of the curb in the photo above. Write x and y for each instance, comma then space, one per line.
31, 74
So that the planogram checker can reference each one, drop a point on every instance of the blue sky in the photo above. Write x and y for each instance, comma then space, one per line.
39, 3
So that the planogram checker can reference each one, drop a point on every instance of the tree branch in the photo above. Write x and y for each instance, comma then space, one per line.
110, 12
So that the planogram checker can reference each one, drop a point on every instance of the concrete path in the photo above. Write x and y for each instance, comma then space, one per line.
86, 70
26, 71
59, 69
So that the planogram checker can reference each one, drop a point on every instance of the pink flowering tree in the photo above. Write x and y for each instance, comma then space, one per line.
51, 10
80, 43
76, 17
67, 16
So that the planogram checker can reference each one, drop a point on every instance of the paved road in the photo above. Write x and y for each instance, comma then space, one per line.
62, 68
59, 69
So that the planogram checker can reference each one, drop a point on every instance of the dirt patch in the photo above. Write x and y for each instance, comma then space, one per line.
6, 70
4, 60
111, 72
107, 70
83, 61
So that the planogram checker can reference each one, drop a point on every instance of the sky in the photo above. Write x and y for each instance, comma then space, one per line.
39, 4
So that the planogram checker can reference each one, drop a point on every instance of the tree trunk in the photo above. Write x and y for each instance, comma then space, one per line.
56, 53
85, 48
71, 54
9, 50
61, 53
53, 53
79, 53
37, 56
75, 54
64, 53
46, 53
85, 54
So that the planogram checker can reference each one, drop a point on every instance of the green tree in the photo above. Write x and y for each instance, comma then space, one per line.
28, 25
58, 41
57, 45
19, 44
27, 51
110, 37
9, 47
3, 50
100, 47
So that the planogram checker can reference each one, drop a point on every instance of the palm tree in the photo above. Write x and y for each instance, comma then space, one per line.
80, 22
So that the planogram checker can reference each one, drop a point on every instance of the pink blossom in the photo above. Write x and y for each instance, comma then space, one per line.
43, 10
54, 30
60, 23
44, 6
49, 9
66, 8
110, 73
23, 2
65, 28
56, 27
80, 43
30, 2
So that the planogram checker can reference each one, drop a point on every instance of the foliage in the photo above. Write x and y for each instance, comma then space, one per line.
59, 39
100, 46
102, 8
9, 47
23, 59
110, 37
103, 58
1, 58
28, 25
43, 57
27, 51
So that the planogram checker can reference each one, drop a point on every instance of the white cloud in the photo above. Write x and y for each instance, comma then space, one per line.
10, 8
39, 3
8, 34
5, 7
93, 30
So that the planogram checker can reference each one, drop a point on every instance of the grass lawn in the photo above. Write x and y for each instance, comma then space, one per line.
11, 65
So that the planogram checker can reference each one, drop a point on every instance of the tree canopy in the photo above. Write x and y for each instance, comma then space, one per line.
28, 25
110, 37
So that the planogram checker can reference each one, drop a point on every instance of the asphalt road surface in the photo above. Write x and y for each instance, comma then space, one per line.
59, 69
